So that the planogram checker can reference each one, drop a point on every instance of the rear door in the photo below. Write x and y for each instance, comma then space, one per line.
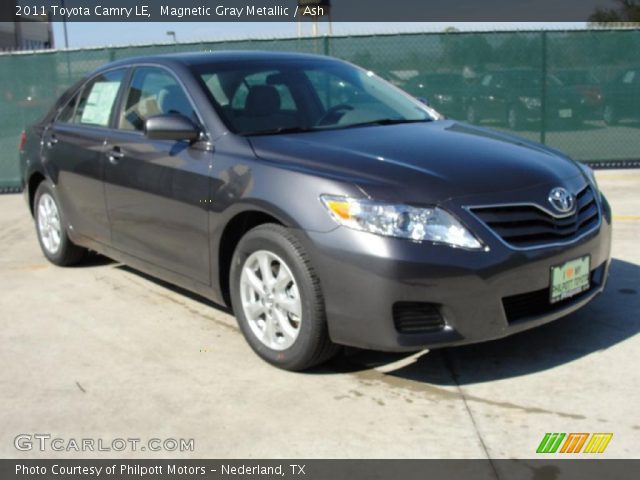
73, 153
157, 190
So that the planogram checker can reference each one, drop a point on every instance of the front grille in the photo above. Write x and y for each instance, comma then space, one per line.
537, 303
524, 226
417, 317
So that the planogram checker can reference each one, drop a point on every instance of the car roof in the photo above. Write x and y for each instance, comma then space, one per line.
221, 57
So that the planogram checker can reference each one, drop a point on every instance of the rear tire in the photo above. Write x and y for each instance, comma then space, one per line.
51, 228
277, 299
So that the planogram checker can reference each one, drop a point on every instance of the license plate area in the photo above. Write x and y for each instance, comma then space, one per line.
570, 279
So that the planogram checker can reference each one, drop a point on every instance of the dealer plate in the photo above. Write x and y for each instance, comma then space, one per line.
570, 278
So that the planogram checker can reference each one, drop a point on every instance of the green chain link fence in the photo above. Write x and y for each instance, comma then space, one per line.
578, 91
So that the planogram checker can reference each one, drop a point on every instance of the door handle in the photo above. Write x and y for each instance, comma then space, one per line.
52, 141
115, 154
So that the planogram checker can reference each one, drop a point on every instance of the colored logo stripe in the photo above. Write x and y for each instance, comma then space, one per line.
598, 442
574, 442
550, 443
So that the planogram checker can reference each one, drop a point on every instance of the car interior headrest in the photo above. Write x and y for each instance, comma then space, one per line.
262, 100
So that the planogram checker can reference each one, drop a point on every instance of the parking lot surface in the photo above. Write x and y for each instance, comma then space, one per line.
101, 351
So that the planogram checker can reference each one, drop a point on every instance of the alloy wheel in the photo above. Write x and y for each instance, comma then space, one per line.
49, 227
271, 300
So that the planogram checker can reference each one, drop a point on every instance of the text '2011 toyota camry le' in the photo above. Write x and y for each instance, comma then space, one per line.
325, 206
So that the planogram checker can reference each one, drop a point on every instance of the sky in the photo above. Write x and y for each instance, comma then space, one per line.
88, 34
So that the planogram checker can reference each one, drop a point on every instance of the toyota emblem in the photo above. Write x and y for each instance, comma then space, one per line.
562, 200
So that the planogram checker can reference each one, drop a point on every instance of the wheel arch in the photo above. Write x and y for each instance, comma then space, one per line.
234, 230
35, 179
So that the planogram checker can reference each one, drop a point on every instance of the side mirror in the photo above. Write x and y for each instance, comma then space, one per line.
171, 127
423, 100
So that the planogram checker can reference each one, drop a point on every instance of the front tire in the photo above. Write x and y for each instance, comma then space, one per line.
277, 299
51, 228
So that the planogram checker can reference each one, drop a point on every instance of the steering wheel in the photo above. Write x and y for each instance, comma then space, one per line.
333, 112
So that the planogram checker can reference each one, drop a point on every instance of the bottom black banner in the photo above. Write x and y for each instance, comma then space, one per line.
535, 469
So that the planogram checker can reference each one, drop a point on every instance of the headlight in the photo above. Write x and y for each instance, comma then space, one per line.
401, 221
531, 102
588, 171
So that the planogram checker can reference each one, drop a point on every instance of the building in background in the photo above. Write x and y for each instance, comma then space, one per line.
30, 34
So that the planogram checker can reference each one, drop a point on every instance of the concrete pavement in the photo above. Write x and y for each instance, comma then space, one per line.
101, 351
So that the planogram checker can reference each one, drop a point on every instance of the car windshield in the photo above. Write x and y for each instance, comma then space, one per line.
289, 96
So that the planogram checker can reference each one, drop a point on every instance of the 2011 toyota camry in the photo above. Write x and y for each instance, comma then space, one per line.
324, 205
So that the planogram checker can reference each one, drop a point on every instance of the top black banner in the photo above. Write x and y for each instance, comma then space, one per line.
322, 10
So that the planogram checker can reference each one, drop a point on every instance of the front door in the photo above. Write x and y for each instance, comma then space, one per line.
157, 190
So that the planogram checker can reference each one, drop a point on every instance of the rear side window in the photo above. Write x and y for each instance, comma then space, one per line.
153, 91
98, 98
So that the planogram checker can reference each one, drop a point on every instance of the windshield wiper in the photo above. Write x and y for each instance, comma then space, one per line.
380, 121
388, 121
280, 130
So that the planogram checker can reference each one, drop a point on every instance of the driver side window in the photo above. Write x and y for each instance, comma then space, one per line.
153, 91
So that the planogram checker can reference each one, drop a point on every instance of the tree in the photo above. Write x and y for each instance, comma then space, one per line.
627, 14
466, 49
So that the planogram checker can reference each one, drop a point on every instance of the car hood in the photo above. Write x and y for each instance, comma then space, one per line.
420, 162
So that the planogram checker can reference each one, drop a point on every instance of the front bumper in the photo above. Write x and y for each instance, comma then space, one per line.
364, 275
